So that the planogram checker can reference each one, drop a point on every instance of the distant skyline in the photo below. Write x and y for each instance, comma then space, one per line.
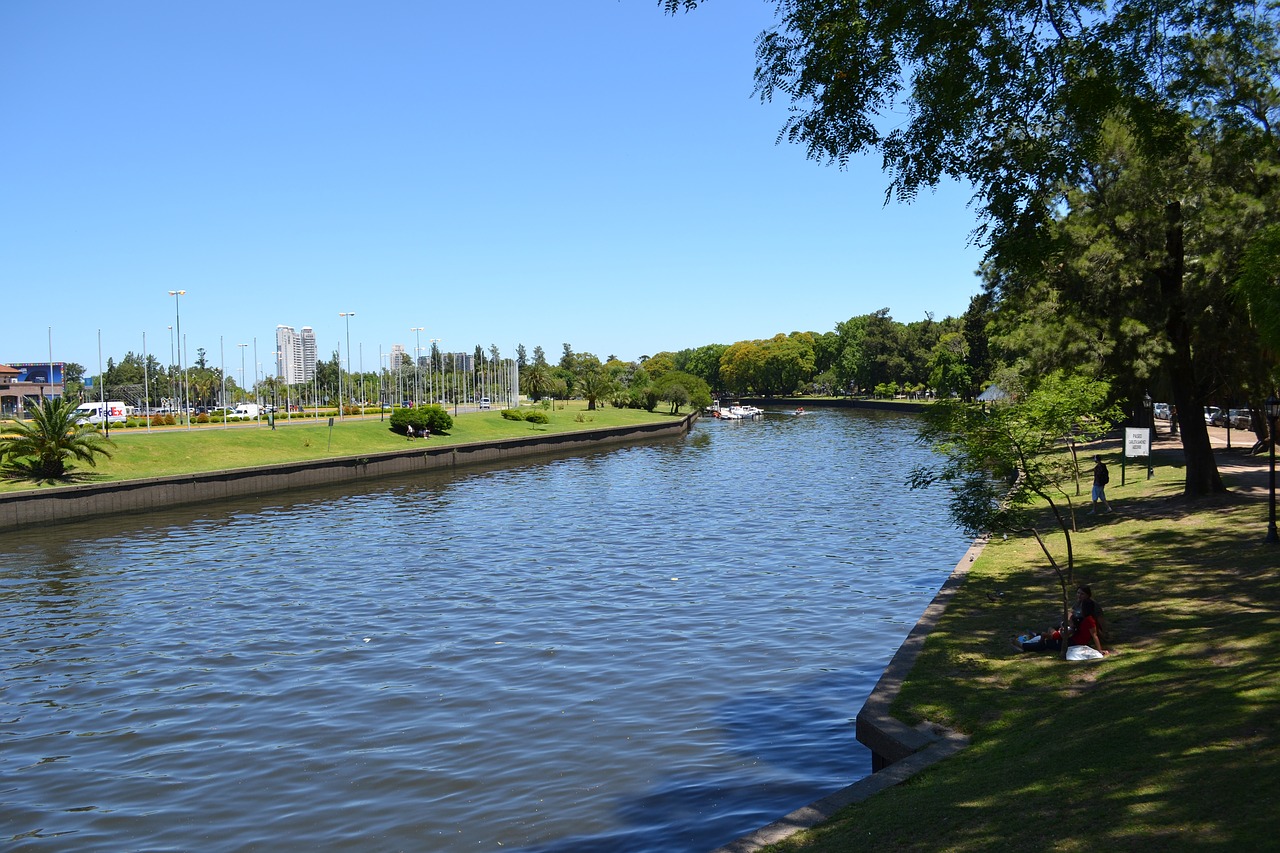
497, 174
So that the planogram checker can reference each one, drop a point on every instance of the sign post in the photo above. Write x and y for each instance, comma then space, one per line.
1137, 444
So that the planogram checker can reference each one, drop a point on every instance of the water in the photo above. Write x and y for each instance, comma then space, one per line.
653, 648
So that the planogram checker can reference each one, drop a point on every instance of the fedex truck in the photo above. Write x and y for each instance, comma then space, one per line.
114, 412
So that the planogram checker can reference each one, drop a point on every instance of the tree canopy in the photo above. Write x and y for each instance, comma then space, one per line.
1037, 107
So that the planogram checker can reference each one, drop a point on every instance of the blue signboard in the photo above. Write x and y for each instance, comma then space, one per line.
38, 373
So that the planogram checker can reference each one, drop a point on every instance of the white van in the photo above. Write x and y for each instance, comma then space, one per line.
246, 410
114, 412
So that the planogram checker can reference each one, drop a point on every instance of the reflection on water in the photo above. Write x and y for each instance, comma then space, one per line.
651, 648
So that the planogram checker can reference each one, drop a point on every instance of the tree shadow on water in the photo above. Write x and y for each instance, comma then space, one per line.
791, 747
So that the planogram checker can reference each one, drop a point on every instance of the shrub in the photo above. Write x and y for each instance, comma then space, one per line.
512, 414
202, 418
170, 420
434, 418
537, 417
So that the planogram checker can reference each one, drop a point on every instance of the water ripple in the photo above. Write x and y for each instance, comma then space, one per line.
649, 648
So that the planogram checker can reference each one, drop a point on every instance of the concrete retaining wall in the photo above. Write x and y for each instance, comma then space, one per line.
72, 503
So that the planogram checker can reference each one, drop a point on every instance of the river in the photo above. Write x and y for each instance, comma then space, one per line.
649, 648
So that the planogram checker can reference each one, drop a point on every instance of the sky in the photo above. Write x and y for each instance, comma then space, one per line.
590, 172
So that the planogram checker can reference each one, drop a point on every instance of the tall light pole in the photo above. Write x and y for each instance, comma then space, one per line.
242, 349
169, 372
1273, 412
417, 353
177, 319
347, 315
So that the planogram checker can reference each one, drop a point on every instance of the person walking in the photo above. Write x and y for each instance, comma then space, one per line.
1100, 479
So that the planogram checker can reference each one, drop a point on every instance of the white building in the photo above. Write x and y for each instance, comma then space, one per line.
295, 354
308, 354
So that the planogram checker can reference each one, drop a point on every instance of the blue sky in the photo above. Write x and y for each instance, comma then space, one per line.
583, 171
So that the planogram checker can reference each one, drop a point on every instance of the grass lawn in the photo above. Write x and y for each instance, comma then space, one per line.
138, 453
1169, 745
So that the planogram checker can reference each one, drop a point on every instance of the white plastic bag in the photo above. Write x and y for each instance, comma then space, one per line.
1083, 653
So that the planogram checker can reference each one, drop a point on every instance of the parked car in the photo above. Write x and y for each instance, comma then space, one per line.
1162, 411
1210, 414
1241, 419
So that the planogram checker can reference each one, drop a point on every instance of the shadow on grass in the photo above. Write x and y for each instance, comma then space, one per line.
1171, 744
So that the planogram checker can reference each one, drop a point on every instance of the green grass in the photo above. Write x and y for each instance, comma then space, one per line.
1169, 745
138, 453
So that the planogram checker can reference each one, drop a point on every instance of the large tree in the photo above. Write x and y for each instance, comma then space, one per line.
1015, 100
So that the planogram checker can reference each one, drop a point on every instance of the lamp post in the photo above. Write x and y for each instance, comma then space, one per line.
417, 354
177, 319
1273, 412
242, 349
1147, 404
172, 402
347, 315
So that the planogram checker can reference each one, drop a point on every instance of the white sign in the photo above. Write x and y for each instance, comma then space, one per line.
1137, 441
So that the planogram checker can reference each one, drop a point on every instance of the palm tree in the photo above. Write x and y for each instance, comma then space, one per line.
536, 379
38, 449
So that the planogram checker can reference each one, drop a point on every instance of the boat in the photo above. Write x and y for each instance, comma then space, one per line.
735, 412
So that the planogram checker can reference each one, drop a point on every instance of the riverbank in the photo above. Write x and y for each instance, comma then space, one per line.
197, 466
1169, 744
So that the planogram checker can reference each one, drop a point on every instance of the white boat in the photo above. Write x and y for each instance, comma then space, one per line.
745, 411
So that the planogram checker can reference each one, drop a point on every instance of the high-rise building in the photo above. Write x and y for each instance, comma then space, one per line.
295, 354
397, 355
308, 354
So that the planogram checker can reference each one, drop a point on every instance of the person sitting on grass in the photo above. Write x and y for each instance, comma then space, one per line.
1086, 640
1082, 625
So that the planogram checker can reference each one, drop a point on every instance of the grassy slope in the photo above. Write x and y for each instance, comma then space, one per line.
1171, 744
138, 453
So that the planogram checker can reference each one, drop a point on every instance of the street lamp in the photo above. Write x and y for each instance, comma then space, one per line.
347, 315
177, 319
1147, 404
417, 354
242, 349
1273, 412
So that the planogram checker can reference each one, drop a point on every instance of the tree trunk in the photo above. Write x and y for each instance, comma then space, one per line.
1202, 478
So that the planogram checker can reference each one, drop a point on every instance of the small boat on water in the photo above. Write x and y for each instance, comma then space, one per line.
735, 412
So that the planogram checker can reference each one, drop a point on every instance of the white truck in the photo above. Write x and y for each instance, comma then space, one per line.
114, 412
247, 410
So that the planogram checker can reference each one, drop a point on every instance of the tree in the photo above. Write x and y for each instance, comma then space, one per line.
536, 380
40, 449
949, 372
1005, 462
681, 389
593, 381
1016, 100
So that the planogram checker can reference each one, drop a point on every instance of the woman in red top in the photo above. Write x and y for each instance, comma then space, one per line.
1087, 626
